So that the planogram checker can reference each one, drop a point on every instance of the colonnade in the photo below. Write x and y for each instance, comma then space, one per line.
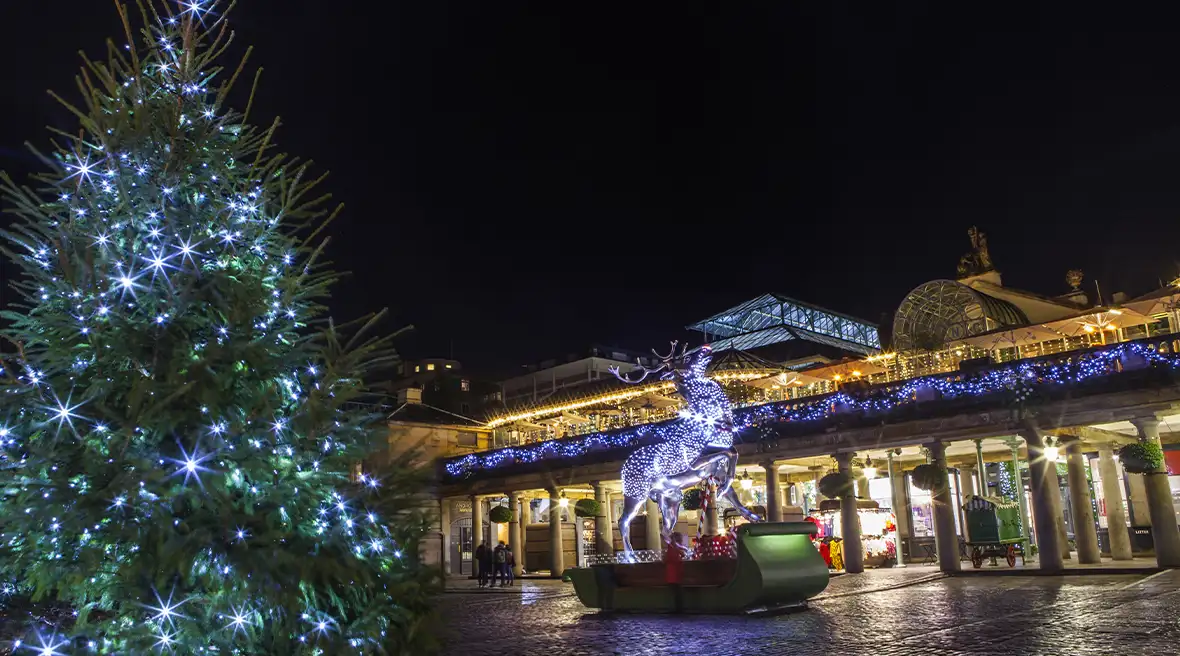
1149, 493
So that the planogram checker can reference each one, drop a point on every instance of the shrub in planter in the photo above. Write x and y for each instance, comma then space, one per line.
587, 508
927, 477
500, 515
1141, 457
836, 485
693, 499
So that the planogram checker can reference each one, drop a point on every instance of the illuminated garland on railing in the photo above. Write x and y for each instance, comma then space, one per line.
1017, 378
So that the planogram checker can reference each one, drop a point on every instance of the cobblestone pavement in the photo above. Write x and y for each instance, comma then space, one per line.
882, 613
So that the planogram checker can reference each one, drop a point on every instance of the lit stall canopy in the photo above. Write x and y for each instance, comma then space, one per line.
847, 370
1010, 337
1162, 301
524, 426
1110, 319
564, 418
650, 400
785, 380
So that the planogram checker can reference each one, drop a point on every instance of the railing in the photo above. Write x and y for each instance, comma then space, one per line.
1028, 381
897, 369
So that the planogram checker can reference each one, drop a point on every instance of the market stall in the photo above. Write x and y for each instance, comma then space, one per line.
878, 532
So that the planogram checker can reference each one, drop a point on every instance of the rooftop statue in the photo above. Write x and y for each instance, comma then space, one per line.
979, 260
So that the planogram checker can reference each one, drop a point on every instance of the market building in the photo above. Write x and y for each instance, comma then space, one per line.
1015, 397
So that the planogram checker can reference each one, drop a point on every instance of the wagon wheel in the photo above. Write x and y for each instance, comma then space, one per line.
976, 557
1011, 555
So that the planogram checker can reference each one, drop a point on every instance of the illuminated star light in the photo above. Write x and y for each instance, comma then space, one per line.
127, 283
191, 465
51, 647
166, 611
186, 250
165, 641
83, 169
194, 7
159, 264
64, 414
238, 619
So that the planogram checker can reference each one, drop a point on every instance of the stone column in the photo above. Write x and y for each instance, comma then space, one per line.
980, 469
653, 526
774, 495
1116, 522
1164, 532
1085, 535
476, 530
1018, 483
895, 502
967, 480
1039, 469
900, 498
556, 546
514, 532
850, 521
819, 473
444, 521
1137, 495
945, 540
963, 474
862, 484
604, 540
525, 507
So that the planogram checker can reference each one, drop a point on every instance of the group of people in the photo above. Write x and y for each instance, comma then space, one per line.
498, 561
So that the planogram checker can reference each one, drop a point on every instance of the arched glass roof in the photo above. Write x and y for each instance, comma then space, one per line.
943, 311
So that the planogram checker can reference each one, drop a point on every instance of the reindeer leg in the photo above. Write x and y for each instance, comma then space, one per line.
669, 513
729, 493
732, 497
630, 511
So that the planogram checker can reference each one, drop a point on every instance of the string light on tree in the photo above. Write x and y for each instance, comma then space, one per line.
166, 381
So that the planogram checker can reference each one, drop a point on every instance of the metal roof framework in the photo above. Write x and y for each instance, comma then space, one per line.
940, 312
773, 318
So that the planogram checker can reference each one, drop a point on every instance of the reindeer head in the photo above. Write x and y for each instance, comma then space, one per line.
692, 365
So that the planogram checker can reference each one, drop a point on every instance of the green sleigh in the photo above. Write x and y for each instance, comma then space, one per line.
777, 566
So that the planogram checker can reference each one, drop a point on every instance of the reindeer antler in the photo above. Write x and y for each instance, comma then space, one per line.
671, 354
646, 372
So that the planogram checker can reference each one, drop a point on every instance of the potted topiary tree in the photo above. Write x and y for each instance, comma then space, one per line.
500, 515
1141, 457
836, 485
927, 477
587, 508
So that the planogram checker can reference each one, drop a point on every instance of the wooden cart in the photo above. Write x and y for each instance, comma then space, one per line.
1007, 550
993, 530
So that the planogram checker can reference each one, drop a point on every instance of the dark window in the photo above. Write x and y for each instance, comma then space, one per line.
468, 439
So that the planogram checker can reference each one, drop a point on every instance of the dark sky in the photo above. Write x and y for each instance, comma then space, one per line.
523, 179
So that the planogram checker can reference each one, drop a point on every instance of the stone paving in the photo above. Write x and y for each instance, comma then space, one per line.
911, 610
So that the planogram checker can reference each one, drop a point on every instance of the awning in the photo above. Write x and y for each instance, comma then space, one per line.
1108, 319
649, 400
1011, 337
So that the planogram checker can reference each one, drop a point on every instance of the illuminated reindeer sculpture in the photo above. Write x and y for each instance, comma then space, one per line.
695, 447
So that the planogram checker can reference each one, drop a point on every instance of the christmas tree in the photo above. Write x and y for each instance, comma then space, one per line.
180, 425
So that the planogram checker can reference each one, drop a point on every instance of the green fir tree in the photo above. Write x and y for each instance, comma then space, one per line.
179, 421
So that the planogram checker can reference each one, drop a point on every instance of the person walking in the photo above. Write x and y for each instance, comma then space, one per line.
510, 567
498, 561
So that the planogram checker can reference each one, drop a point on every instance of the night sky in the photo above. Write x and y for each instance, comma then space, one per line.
524, 179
